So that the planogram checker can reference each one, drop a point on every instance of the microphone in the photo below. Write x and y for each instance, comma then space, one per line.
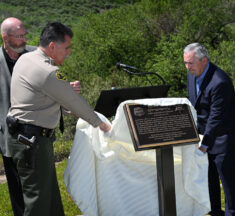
120, 65
139, 73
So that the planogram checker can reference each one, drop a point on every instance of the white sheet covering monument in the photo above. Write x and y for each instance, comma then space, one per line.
106, 177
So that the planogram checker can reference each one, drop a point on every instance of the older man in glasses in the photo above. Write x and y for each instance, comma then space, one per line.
14, 45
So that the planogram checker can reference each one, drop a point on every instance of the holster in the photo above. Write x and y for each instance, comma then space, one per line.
12, 124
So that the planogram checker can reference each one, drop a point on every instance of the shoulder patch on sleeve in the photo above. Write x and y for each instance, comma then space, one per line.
60, 75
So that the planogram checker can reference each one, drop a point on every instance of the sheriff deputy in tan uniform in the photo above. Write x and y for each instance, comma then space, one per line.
37, 94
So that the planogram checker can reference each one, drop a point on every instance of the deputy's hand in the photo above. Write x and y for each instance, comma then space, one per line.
105, 127
203, 149
76, 86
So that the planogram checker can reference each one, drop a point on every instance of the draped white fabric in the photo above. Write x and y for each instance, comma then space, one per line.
106, 177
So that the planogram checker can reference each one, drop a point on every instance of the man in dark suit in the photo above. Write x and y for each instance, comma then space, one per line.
211, 92
14, 45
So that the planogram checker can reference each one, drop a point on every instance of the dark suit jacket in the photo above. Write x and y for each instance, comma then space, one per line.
5, 79
215, 106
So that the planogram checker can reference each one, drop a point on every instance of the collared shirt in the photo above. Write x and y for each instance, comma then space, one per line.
200, 79
10, 62
198, 85
38, 92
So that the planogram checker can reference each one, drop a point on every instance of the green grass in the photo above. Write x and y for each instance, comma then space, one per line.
36, 13
1, 165
70, 207
222, 198
5, 205
62, 150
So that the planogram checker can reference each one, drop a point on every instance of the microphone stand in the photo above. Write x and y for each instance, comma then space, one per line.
145, 74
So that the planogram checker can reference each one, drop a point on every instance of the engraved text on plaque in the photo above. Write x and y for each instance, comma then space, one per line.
153, 126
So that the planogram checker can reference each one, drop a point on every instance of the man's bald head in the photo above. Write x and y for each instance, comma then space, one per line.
10, 25
13, 36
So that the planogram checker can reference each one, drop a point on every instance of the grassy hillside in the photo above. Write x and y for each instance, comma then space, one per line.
36, 13
147, 34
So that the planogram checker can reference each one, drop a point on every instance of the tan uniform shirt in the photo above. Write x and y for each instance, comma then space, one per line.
37, 93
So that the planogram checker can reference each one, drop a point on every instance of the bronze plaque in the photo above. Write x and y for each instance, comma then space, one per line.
155, 126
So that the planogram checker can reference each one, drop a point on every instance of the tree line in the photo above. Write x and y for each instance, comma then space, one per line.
147, 34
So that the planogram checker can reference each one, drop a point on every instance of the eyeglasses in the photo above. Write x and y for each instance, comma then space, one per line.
19, 36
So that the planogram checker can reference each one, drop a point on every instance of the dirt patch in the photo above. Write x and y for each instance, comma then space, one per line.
3, 179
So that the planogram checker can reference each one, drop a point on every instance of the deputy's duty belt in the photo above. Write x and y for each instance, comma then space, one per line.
34, 130
14, 126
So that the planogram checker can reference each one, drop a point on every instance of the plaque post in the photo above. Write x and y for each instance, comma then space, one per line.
157, 129
166, 181
160, 128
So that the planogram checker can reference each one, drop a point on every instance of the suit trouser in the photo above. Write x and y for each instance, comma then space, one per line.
14, 186
214, 186
38, 176
225, 164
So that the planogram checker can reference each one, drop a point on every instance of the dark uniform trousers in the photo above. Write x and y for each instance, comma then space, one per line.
37, 173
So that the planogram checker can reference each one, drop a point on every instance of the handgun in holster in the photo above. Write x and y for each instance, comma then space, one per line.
29, 151
25, 140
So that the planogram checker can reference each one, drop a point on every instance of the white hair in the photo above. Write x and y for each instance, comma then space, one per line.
200, 50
